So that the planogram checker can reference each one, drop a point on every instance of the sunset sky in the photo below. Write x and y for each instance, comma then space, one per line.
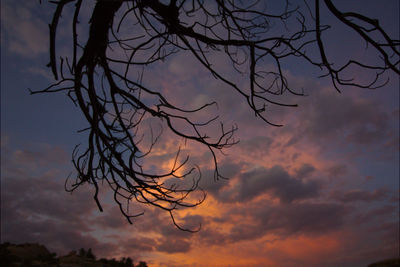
323, 190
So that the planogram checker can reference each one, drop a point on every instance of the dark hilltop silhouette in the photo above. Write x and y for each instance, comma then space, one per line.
386, 263
38, 255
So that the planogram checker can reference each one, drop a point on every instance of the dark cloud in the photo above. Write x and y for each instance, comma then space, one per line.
304, 217
168, 238
138, 244
44, 196
172, 245
256, 146
360, 195
59, 234
285, 220
214, 187
276, 181
35, 208
42, 154
305, 170
330, 119
213, 235
111, 218
337, 170
192, 222
171, 240
380, 214
358, 120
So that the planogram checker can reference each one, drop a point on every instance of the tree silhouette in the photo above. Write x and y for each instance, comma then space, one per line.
103, 77
142, 264
82, 252
90, 255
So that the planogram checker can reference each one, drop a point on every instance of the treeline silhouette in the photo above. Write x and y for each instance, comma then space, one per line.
124, 262
38, 255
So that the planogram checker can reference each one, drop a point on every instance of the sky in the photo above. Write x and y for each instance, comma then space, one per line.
323, 190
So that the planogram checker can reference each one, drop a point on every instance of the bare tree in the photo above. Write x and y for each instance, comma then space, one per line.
103, 84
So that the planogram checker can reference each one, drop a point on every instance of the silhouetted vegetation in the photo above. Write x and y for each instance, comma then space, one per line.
38, 255
88, 254
124, 262
386, 263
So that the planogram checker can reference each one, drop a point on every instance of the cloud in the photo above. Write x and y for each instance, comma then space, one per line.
381, 214
337, 170
360, 195
47, 215
256, 146
36, 203
275, 181
306, 218
40, 71
305, 170
35, 207
137, 244
40, 154
213, 187
27, 34
184, 65
173, 245
257, 219
4, 141
110, 219
356, 119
